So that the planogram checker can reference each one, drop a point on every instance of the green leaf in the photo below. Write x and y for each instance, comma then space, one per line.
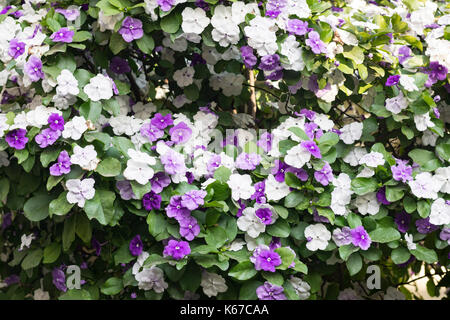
68, 232
91, 110
146, 44
353, 220
171, 23
101, 207
49, 155
216, 237
83, 228
222, 174
32, 259
299, 133
279, 229
123, 254
327, 213
21, 155
243, 271
109, 167
394, 193
52, 252
327, 140
116, 43
400, 255
426, 159
409, 204
384, 235
36, 208
362, 186
423, 208
112, 286
248, 290
287, 257
293, 199
354, 263
346, 251
76, 294
282, 211
156, 223
425, 254
275, 278
4, 189
81, 36
292, 180
60, 206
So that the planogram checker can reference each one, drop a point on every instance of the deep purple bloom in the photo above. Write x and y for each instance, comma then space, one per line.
265, 142
312, 148
151, 201
270, 291
62, 166
318, 218
401, 171
119, 65
166, 5
56, 122
175, 209
279, 170
12, 279
16, 139
269, 62
247, 161
190, 177
360, 238
59, 279
193, 199
259, 194
180, 133
177, 249
16, 48
392, 80
381, 196
97, 246
265, 215
63, 35
317, 46
47, 137
325, 175
242, 206
33, 69
438, 71
275, 243
424, 226
131, 29
297, 26
402, 219
159, 181
248, 56
189, 228
136, 246
265, 259
162, 122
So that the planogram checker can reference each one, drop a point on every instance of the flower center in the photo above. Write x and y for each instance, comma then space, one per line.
177, 248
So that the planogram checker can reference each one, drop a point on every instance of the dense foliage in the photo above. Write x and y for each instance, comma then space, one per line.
223, 149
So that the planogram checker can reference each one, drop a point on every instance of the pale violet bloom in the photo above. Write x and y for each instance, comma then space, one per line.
212, 284
138, 167
184, 77
74, 128
67, 83
302, 288
317, 237
85, 157
351, 132
367, 204
425, 186
80, 191
423, 121
297, 156
275, 190
372, 159
241, 186
440, 212
99, 88
250, 223
397, 104
151, 278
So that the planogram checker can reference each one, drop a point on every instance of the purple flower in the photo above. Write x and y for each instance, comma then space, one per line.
248, 161
248, 56
299, 173
445, 235
343, 237
309, 114
265, 142
275, 243
119, 65
259, 194
401, 171
242, 206
325, 175
318, 218
296, 26
136, 246
403, 54
424, 226
16, 48
59, 279
381, 196
131, 29
392, 80
173, 162
265, 215
62, 166
69, 14
360, 238
56, 122
16, 138
33, 68
162, 122
270, 62
193, 199
177, 249
189, 228
151, 132
402, 219
279, 170
317, 46
6, 220
97, 246
213, 163
180, 133
159, 182
438, 71
312, 148
47, 137
151, 201
166, 5
175, 209
270, 291
265, 259
63, 35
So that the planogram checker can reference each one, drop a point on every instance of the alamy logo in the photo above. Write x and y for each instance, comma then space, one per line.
73, 280
374, 280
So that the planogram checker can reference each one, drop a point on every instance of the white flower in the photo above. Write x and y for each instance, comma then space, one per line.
138, 265
317, 236
301, 287
366, 173
250, 223
194, 20
351, 132
108, 22
85, 157
408, 83
138, 167
241, 186
367, 204
184, 77
39, 116
352, 158
324, 122
292, 50
442, 175
276, 190
372, 159
424, 186
261, 35
80, 191
423, 121
240, 9
225, 31
393, 294
151, 278
67, 83
429, 138
74, 128
409, 242
297, 156
212, 284
98, 88
128, 125
440, 212
3, 125
26, 241
396, 104
236, 245
40, 294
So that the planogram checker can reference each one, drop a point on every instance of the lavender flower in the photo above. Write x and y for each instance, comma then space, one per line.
33, 69
445, 235
360, 238
317, 46
259, 194
62, 166
248, 161
16, 139
159, 181
312, 148
248, 56
175, 209
16, 48
269, 62
59, 279
151, 132
279, 170
180, 133
63, 35
270, 291
265, 259
173, 162
47, 137
265, 215
402, 219
151, 201
189, 228
193, 199
177, 249
162, 122
131, 29
166, 5
325, 175
136, 246
125, 190
401, 171
342, 237
403, 54
265, 142
69, 14
56, 122
297, 27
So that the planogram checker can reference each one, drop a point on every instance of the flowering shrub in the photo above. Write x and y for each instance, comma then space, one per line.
230, 150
